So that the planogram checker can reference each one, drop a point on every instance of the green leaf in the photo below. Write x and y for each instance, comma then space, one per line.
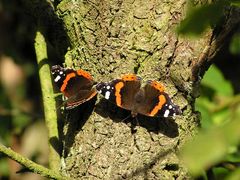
20, 121
235, 3
235, 175
216, 93
211, 146
215, 80
204, 106
199, 18
4, 166
235, 44
221, 116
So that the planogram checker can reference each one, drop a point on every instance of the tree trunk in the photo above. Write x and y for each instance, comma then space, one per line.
111, 38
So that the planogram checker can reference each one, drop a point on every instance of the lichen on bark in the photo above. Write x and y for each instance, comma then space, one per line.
110, 38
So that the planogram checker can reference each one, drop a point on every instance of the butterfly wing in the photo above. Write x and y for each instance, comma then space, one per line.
77, 86
155, 102
121, 91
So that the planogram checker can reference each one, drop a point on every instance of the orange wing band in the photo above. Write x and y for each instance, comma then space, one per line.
84, 74
118, 88
161, 102
158, 86
130, 77
68, 77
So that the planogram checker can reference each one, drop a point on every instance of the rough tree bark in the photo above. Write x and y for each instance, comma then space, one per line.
111, 38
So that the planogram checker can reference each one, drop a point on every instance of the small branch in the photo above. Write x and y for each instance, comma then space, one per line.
48, 100
34, 167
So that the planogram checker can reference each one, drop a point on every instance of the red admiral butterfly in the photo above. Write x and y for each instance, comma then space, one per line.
150, 100
76, 85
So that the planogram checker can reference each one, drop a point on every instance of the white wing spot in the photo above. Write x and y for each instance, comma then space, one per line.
107, 94
166, 113
60, 72
108, 87
57, 78
170, 107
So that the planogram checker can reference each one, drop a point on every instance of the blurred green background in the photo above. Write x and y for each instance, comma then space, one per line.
21, 118
214, 153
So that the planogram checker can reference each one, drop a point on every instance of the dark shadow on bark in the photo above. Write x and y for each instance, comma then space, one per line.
56, 144
75, 120
44, 17
42, 63
153, 124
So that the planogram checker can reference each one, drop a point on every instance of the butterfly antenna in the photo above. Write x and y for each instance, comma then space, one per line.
64, 102
137, 121
123, 120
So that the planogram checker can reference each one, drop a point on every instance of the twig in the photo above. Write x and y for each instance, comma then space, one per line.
34, 167
48, 100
